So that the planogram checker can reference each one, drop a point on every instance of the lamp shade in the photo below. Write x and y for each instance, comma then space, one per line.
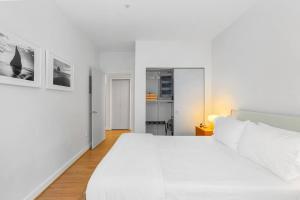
211, 118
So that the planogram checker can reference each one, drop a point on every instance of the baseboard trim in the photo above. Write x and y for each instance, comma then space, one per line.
38, 190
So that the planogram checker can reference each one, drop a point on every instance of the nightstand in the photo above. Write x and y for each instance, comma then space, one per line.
203, 131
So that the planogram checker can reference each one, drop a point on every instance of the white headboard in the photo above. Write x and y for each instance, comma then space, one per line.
288, 122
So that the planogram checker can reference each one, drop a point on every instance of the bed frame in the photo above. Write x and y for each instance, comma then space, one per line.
288, 122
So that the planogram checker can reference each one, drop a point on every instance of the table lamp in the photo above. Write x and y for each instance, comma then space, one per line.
211, 119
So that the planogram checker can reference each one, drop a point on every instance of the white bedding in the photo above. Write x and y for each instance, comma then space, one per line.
146, 167
130, 171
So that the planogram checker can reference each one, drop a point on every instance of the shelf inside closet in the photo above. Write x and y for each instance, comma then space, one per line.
159, 101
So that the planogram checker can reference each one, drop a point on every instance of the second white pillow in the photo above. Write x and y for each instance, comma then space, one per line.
275, 149
228, 131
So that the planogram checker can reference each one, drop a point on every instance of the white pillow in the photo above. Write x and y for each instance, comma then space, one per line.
228, 131
273, 148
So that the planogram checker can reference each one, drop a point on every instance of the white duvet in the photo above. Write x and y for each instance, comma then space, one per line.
146, 167
131, 170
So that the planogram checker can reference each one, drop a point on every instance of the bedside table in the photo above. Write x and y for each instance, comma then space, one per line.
203, 131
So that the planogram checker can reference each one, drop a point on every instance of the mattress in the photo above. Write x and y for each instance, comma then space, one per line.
146, 167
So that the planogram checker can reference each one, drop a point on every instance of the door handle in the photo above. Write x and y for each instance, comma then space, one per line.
94, 112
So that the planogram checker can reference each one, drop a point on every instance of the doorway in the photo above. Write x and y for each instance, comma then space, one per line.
120, 104
175, 100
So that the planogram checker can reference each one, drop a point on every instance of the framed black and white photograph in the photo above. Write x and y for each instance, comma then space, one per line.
20, 61
59, 73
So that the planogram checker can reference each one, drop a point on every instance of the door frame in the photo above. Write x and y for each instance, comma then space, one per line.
128, 77
207, 85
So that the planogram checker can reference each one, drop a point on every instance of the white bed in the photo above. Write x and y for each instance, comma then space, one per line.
146, 167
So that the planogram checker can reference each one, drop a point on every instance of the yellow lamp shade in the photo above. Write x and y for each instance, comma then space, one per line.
211, 119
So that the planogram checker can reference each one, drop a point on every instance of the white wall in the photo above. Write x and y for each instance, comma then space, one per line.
256, 62
41, 130
174, 54
116, 64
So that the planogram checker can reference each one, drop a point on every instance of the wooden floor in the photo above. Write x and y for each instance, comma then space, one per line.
72, 184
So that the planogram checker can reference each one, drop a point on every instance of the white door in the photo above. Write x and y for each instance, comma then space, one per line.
188, 100
120, 107
98, 106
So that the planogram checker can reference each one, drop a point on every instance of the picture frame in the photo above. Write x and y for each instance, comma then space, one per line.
20, 61
59, 73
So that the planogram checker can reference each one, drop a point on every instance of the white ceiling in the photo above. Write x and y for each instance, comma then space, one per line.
114, 27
